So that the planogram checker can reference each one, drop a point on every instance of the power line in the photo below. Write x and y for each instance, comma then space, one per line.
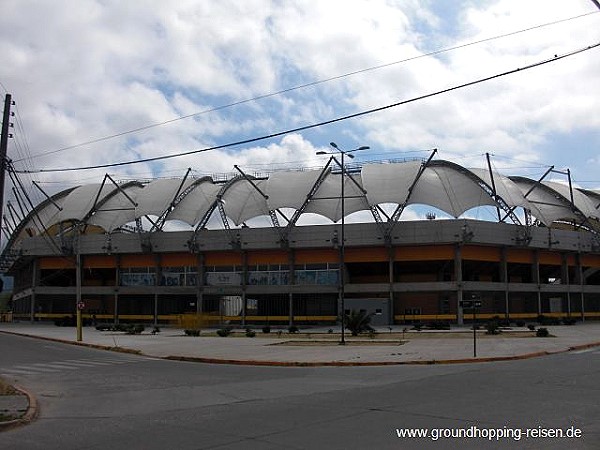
310, 84
326, 122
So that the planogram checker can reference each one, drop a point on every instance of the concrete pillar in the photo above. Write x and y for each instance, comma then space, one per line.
391, 312
564, 269
117, 283
34, 281
157, 282
244, 281
291, 282
458, 276
505, 280
535, 274
116, 306
200, 283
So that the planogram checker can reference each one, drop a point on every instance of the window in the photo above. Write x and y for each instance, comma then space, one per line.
179, 276
137, 276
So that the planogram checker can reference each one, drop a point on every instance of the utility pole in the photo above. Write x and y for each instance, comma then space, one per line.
3, 150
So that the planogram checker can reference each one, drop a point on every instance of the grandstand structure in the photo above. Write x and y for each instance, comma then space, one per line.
241, 250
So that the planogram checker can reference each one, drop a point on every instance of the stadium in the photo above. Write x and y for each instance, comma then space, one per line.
297, 246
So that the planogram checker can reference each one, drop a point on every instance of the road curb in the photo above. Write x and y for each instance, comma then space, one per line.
81, 344
30, 415
249, 362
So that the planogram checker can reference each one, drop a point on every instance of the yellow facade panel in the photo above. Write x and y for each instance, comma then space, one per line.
57, 262
317, 256
481, 253
142, 260
267, 257
424, 253
366, 254
178, 259
99, 261
223, 259
519, 255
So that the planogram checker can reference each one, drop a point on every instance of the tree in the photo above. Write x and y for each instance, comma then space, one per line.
358, 322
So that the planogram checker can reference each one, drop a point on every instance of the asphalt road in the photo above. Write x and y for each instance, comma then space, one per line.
93, 399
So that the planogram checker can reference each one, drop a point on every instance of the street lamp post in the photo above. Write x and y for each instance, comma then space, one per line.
342, 280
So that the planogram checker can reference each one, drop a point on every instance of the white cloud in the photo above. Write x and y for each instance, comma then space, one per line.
88, 69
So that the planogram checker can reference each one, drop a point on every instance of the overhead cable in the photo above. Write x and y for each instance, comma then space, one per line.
323, 123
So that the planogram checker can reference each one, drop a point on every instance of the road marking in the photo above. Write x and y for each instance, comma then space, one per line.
587, 350
67, 364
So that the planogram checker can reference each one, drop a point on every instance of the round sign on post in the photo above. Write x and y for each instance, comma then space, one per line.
80, 305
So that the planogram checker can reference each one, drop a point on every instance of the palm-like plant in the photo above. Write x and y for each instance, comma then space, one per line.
358, 322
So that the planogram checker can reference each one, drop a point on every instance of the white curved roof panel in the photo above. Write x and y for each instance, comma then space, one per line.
80, 201
582, 201
389, 183
551, 205
117, 210
509, 191
196, 203
46, 216
242, 201
156, 197
289, 189
327, 200
449, 190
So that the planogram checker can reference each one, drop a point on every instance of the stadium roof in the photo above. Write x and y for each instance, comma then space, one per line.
438, 183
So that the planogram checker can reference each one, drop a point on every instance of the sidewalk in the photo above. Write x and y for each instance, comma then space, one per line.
315, 347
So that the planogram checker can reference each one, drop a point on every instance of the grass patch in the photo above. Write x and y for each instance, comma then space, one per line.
7, 389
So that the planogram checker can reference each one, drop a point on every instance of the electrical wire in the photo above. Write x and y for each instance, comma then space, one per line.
326, 122
310, 84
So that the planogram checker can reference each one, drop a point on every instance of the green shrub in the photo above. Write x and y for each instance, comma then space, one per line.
134, 328
121, 327
492, 327
520, 323
569, 321
531, 327
543, 320
190, 332
542, 332
266, 329
358, 322
293, 329
223, 332
250, 333
438, 325
66, 321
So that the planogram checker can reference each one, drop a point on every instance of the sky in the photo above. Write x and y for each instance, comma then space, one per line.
98, 82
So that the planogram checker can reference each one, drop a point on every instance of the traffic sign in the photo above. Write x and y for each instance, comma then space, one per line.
80, 305
470, 303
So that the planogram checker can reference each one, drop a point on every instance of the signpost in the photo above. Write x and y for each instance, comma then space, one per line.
473, 305
80, 306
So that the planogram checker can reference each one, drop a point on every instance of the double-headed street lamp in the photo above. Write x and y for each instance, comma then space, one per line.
340, 163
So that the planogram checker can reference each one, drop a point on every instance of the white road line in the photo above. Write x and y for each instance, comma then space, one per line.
35, 369
587, 350
55, 365
67, 364
8, 372
81, 363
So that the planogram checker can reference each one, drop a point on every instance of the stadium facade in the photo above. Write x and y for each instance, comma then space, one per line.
121, 251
